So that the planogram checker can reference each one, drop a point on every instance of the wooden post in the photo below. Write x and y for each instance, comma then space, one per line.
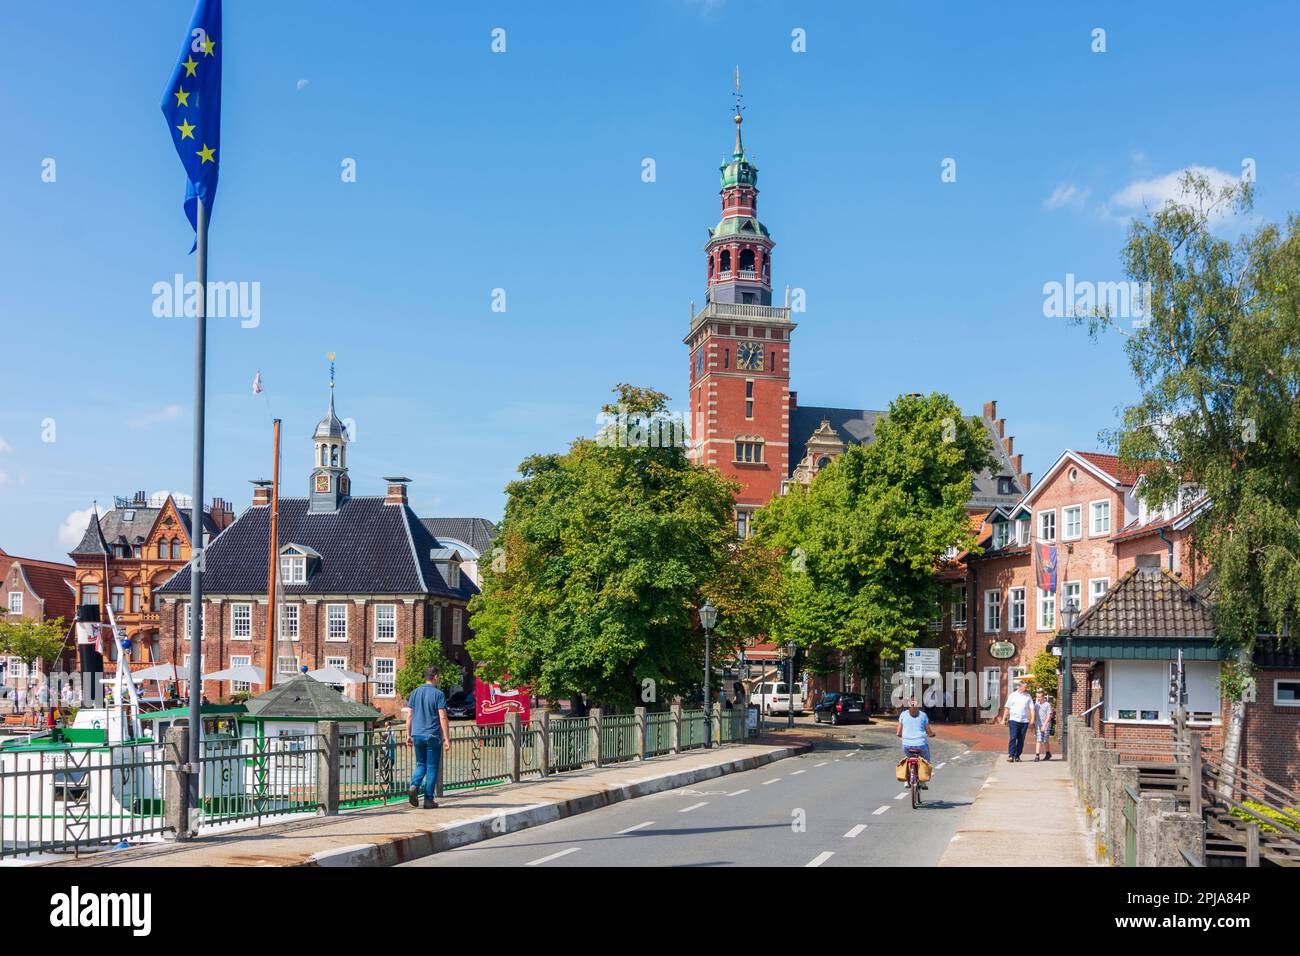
1252, 844
1194, 772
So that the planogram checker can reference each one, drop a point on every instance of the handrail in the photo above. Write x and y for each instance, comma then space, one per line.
1092, 708
1242, 775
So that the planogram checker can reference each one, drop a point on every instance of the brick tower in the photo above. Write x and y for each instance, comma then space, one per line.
740, 348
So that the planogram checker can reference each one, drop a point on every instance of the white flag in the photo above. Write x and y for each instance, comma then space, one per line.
257, 384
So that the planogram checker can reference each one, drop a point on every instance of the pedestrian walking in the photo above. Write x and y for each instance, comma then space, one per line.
1018, 712
1043, 717
426, 731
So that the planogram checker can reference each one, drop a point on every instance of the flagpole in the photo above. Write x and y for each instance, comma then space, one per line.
196, 513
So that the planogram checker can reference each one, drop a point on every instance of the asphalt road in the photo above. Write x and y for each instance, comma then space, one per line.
837, 806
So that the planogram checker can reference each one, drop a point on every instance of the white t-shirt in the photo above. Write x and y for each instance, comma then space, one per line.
1019, 705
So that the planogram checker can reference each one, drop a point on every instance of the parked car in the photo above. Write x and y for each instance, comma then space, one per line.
836, 708
460, 706
773, 698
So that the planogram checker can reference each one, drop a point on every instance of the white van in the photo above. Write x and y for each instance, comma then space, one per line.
774, 698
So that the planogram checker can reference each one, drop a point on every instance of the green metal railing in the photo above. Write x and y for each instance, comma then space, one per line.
692, 729
658, 733
253, 778
570, 743
375, 767
477, 757
619, 738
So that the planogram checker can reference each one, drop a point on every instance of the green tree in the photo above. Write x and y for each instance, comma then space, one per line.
426, 653
866, 538
1219, 411
609, 550
31, 640
1043, 672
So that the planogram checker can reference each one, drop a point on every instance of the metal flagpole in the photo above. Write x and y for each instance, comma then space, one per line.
196, 513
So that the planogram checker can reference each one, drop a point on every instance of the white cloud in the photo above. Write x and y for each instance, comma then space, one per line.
74, 526
168, 413
1152, 194
302, 85
1066, 194
5, 446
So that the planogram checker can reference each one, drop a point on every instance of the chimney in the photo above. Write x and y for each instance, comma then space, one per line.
794, 399
139, 499
991, 409
1008, 443
221, 514
261, 493
396, 491
1027, 481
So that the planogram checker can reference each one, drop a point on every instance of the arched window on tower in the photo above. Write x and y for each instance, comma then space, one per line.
334, 455
323, 453
747, 260
724, 261
710, 267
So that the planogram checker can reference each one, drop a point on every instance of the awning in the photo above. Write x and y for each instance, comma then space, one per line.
1142, 649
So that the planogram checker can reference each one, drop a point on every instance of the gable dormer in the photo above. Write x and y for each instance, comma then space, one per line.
297, 563
447, 562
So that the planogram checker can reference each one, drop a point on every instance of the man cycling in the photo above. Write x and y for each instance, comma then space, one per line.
914, 729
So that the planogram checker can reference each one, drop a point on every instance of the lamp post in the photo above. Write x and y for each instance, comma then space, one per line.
1068, 618
790, 650
708, 617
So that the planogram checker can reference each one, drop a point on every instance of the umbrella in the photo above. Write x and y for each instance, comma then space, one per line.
159, 672
244, 672
336, 675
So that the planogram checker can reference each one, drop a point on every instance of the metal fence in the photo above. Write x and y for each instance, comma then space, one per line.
255, 778
570, 741
620, 738
658, 733
477, 757
692, 729
375, 767
57, 799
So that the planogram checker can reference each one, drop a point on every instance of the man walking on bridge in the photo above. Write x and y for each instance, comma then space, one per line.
426, 731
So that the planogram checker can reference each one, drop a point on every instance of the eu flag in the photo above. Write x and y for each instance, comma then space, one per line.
192, 105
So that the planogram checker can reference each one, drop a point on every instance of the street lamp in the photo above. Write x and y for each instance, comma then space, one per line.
790, 650
1068, 617
708, 617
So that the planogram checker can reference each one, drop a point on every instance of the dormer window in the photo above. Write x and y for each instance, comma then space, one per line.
453, 574
293, 563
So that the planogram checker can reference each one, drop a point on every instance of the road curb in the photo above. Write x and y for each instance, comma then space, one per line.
413, 846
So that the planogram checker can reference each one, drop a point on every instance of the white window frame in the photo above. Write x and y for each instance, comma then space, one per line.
1011, 608
17, 669
993, 611
290, 613
1045, 600
1092, 518
457, 626
1065, 594
385, 676
1077, 512
379, 636
203, 623
1285, 703
119, 607
1022, 531
1001, 534
293, 568
236, 632
994, 698
240, 686
1040, 517
16, 607
1093, 595
959, 601
340, 662
294, 663
437, 622
329, 628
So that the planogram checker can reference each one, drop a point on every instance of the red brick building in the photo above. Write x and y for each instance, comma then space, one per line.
38, 591
361, 579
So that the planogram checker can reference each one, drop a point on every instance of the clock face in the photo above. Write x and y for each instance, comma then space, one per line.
322, 483
749, 356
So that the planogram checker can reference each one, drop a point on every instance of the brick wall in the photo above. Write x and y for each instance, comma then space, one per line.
1271, 735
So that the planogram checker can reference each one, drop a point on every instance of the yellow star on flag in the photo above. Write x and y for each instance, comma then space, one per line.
182, 98
208, 46
190, 66
205, 154
187, 131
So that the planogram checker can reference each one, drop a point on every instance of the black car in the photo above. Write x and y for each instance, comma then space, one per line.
837, 708
460, 706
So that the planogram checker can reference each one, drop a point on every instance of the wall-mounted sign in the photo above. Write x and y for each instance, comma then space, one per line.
1002, 650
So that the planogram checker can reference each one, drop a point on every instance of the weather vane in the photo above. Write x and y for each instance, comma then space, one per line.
330, 356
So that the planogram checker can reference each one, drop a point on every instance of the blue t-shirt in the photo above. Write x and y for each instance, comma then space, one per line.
914, 734
425, 702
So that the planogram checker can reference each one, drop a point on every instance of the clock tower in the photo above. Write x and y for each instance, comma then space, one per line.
740, 348
330, 484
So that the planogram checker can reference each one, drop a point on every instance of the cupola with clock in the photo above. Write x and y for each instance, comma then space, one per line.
330, 484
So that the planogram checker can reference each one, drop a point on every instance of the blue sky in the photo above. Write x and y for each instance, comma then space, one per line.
522, 171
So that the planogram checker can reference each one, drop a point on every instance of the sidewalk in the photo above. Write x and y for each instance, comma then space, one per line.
400, 832
1026, 814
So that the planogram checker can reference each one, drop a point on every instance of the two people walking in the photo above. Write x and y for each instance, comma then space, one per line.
1020, 712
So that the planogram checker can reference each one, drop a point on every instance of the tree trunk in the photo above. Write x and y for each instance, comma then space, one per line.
1232, 733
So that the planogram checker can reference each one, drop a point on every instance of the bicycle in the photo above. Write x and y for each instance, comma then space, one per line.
914, 774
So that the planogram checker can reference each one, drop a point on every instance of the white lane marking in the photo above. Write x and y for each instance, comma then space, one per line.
822, 764
773, 780
736, 793
879, 810
902, 795
797, 772
820, 858
694, 806
639, 826
965, 752
553, 856
855, 831
940, 766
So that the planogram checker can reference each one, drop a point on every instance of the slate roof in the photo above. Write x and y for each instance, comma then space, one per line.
366, 547
1149, 603
857, 426
114, 530
478, 533
305, 698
